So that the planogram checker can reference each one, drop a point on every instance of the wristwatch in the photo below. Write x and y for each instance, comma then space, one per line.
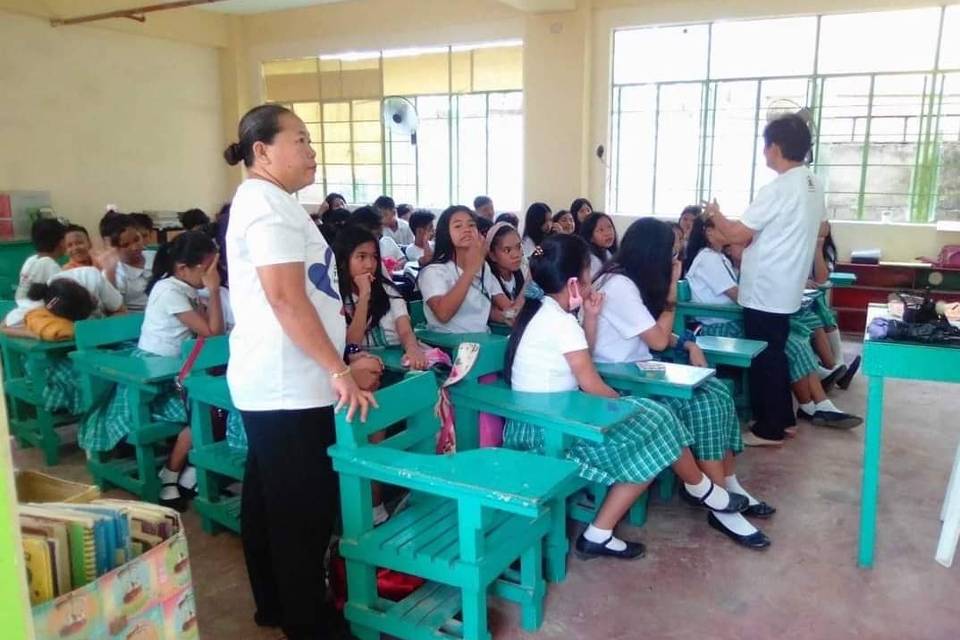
351, 350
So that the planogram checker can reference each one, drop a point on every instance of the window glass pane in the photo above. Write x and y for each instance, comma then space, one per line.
633, 150
660, 53
413, 74
950, 46
433, 150
738, 48
884, 41
734, 122
314, 131
841, 136
336, 132
505, 155
307, 111
367, 153
336, 112
337, 153
948, 183
472, 148
366, 110
678, 147
366, 132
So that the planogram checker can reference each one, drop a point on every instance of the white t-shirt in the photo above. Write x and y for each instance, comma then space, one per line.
711, 274
385, 333
35, 269
474, 313
390, 249
402, 236
785, 217
413, 252
106, 298
163, 333
623, 318
527, 246
225, 308
132, 284
540, 365
267, 371
596, 263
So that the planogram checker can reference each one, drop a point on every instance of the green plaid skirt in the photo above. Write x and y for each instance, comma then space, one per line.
801, 360
711, 416
816, 316
111, 419
60, 391
636, 449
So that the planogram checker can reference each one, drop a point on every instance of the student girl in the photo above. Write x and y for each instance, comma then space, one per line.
580, 208
601, 236
536, 226
549, 351
505, 255
641, 284
376, 313
173, 315
713, 279
563, 222
460, 292
129, 273
687, 216
77, 244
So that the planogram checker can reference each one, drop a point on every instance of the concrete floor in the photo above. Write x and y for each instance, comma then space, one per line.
694, 582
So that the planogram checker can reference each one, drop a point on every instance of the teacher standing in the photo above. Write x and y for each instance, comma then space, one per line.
780, 231
286, 372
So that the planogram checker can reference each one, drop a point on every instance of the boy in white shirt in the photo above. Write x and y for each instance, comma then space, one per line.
48, 236
421, 251
390, 252
393, 227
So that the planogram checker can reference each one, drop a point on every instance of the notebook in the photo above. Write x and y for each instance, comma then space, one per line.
80, 534
37, 558
57, 532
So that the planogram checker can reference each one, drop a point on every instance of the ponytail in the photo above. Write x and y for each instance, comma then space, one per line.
696, 242
64, 298
529, 309
189, 248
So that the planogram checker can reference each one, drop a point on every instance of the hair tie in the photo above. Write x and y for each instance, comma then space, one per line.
533, 291
53, 302
538, 252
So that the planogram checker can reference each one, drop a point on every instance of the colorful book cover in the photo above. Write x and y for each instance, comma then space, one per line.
37, 560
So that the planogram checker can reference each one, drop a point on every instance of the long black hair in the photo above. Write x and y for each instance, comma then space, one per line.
646, 257
190, 248
443, 249
348, 239
830, 251
561, 257
517, 275
697, 241
537, 215
586, 232
64, 298
575, 207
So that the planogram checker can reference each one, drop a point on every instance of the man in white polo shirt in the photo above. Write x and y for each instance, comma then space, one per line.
780, 231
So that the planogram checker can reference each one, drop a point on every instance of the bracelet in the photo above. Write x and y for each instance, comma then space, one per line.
340, 374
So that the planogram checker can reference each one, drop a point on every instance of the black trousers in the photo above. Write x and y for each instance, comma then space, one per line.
770, 396
288, 509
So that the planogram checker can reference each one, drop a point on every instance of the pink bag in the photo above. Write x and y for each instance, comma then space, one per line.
949, 257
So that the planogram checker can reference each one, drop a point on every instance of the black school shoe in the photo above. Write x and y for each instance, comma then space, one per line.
760, 510
757, 540
834, 377
737, 504
587, 550
836, 420
843, 381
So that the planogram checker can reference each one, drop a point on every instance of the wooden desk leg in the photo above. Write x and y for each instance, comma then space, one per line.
871, 471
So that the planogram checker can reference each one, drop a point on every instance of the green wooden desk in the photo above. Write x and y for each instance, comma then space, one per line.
882, 360
734, 352
493, 348
139, 372
679, 380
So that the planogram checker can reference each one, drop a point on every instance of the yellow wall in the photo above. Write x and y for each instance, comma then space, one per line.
97, 116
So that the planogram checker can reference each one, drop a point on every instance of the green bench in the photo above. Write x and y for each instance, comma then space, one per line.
470, 516
25, 366
102, 360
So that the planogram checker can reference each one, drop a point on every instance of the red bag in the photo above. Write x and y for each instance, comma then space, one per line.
391, 585
949, 257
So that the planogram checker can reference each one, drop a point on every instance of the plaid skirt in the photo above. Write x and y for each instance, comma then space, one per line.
801, 360
60, 391
111, 419
636, 450
711, 416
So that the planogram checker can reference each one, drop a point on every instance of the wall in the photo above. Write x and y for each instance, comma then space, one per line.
99, 116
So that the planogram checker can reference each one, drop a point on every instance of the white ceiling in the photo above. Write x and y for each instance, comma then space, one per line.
261, 6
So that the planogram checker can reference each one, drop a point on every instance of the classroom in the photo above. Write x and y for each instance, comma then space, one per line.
479, 319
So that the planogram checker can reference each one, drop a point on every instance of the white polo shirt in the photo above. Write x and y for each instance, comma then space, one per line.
540, 364
710, 275
402, 236
623, 318
784, 217
438, 279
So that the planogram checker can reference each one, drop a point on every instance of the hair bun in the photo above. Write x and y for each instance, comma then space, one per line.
233, 154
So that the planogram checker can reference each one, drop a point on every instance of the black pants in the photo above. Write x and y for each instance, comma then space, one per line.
770, 396
288, 509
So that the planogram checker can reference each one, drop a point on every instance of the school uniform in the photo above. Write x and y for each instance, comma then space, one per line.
35, 269
438, 279
132, 283
710, 415
403, 234
384, 333
636, 450
710, 275
162, 335
527, 245
390, 250
286, 400
512, 286
413, 252
596, 264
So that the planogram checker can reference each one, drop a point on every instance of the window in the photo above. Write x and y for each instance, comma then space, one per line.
689, 104
469, 105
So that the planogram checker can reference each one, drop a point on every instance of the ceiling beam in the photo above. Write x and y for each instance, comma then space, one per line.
135, 13
542, 6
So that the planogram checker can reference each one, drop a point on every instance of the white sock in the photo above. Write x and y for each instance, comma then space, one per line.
823, 372
599, 536
168, 477
188, 477
827, 405
718, 498
835, 345
736, 523
808, 407
734, 486
380, 514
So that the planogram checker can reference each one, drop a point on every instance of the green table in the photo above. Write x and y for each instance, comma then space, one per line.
678, 381
881, 360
